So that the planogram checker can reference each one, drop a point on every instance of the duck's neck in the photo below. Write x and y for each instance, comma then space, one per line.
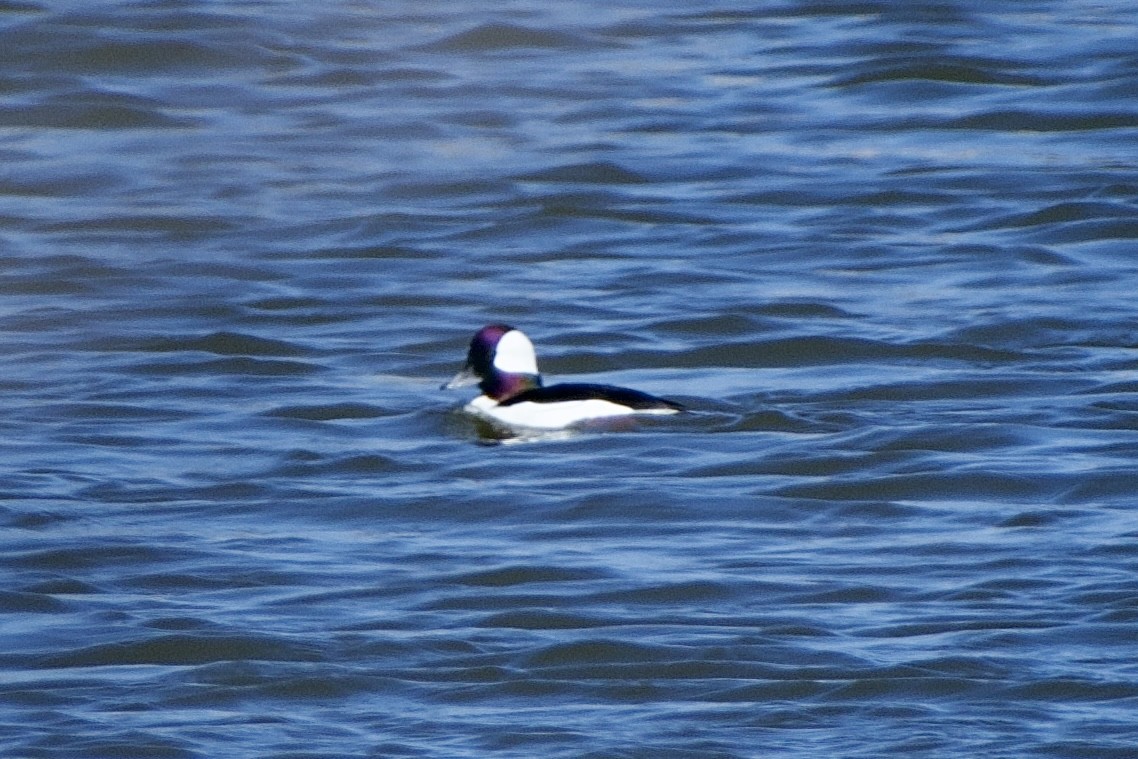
502, 385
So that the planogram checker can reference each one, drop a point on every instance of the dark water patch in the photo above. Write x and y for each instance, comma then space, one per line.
60, 275
600, 172
148, 57
1090, 749
78, 558
60, 184
577, 205
157, 43
329, 412
1111, 601
766, 420
944, 68
900, 197
16, 602
498, 602
542, 619
472, 189
947, 485
825, 350
1123, 190
230, 494
697, 591
180, 650
235, 682
1042, 518
1089, 231
480, 118
724, 325
1073, 691
209, 276
334, 79
894, 688
312, 306
33, 519
972, 668
175, 581
949, 626
93, 111
62, 586
1061, 213
128, 743
795, 465
850, 595
417, 74
1041, 121
1009, 588
14, 7
181, 624
503, 37
1039, 255
159, 226
594, 652
523, 575
1121, 547
369, 252
1095, 417
1106, 634
1072, 222
885, 512
119, 412
1125, 387
53, 286
1021, 333
975, 388
790, 689
1108, 485
791, 309
370, 464
971, 437
610, 667
242, 365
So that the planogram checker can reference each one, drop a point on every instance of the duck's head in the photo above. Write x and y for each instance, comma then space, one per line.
502, 362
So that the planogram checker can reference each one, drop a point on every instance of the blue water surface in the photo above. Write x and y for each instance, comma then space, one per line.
885, 253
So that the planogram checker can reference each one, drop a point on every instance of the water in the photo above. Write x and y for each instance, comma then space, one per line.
885, 251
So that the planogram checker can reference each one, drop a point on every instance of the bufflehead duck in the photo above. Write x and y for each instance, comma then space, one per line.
501, 361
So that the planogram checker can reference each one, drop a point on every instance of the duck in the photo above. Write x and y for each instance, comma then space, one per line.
502, 362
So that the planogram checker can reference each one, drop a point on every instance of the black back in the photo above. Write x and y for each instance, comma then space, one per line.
583, 391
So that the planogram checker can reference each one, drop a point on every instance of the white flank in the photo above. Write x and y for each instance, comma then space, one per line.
552, 416
515, 354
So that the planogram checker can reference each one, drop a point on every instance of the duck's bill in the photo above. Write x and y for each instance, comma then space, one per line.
462, 379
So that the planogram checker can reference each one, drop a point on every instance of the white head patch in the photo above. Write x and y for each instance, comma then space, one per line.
514, 354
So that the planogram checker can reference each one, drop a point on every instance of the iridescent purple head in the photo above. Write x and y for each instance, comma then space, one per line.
501, 360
